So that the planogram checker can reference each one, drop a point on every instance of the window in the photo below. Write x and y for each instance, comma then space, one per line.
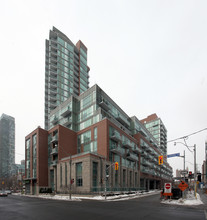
124, 178
66, 175
79, 180
95, 133
95, 174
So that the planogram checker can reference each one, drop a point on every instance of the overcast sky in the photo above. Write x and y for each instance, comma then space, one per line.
148, 56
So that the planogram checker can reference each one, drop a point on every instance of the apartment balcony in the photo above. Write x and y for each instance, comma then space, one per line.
53, 73
145, 162
53, 79
136, 149
66, 112
144, 154
53, 85
149, 149
122, 120
132, 157
104, 105
54, 139
67, 121
117, 150
55, 120
54, 151
141, 131
53, 163
127, 144
116, 136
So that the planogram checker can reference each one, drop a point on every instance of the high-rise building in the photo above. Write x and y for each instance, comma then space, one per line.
156, 127
7, 145
66, 70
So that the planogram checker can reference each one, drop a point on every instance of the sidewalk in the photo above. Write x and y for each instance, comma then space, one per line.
203, 197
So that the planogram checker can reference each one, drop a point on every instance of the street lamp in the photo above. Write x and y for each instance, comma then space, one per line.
195, 172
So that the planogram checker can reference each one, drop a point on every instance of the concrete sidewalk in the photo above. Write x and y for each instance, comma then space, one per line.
203, 197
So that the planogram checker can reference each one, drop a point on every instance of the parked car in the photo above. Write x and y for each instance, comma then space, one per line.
8, 192
3, 193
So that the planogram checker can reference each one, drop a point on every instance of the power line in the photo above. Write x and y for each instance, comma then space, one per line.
186, 136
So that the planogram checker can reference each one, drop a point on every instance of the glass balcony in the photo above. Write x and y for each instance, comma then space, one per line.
66, 112
54, 139
132, 157
116, 136
117, 150
144, 154
127, 144
67, 121
104, 105
54, 151
122, 120
136, 149
53, 163
54, 120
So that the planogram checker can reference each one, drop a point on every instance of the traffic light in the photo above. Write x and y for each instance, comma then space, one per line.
199, 177
190, 175
160, 160
116, 165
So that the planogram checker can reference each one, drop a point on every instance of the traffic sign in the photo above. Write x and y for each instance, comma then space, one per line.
183, 186
183, 172
173, 155
168, 189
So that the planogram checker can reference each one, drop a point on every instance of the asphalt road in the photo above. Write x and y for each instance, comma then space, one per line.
20, 207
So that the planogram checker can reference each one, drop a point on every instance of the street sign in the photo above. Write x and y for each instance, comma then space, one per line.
183, 172
168, 189
173, 155
183, 186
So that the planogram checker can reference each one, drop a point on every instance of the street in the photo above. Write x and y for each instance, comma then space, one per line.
21, 207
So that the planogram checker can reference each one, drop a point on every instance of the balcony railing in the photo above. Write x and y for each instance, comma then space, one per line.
132, 157
54, 151
104, 105
116, 136
54, 139
117, 150
66, 112
53, 163
127, 144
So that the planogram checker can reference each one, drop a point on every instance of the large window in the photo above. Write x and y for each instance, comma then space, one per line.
79, 179
28, 158
95, 174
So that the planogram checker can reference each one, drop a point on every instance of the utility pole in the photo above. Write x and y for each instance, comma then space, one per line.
184, 170
195, 172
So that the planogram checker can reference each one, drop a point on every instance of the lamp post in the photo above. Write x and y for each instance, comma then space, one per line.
195, 172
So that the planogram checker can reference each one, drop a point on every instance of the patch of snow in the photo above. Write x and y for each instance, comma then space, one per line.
189, 200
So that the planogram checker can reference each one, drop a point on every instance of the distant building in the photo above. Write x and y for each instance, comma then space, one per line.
66, 70
7, 145
156, 127
179, 172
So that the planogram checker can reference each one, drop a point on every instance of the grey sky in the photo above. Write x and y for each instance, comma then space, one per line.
149, 56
